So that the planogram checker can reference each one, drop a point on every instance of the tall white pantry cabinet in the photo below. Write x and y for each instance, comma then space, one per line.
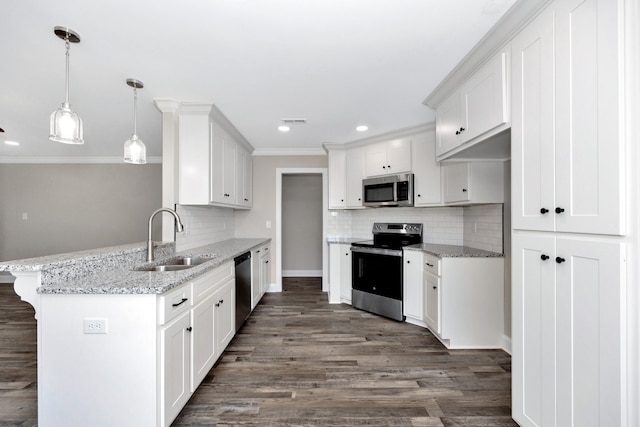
573, 219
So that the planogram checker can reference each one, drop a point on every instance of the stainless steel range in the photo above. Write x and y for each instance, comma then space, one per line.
377, 268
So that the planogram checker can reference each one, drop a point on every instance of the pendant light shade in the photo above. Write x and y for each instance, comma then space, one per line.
134, 149
65, 125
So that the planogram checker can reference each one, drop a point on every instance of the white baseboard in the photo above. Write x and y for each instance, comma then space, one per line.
301, 273
506, 344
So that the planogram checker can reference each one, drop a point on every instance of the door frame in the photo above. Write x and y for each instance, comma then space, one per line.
325, 209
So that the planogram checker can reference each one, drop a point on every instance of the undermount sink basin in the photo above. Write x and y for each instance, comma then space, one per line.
176, 264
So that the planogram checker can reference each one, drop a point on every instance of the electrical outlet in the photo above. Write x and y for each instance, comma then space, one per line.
268, 224
95, 326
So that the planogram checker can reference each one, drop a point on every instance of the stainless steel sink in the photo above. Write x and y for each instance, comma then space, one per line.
176, 264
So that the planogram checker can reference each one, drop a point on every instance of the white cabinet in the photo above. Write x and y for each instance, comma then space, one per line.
337, 179
567, 336
214, 159
568, 166
265, 275
175, 362
354, 175
427, 184
412, 287
245, 177
463, 300
479, 109
473, 182
389, 157
203, 345
225, 315
339, 273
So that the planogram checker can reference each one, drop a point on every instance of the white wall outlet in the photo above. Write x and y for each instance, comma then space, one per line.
95, 326
25, 216
268, 224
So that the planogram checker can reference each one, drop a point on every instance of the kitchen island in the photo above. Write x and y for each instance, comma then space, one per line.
118, 345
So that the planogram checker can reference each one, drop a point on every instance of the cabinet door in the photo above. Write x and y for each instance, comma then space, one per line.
244, 177
589, 164
431, 301
225, 315
427, 185
456, 182
484, 99
533, 336
175, 365
256, 270
217, 136
532, 132
229, 175
448, 124
376, 159
590, 360
266, 271
345, 273
354, 176
399, 156
337, 179
203, 348
412, 285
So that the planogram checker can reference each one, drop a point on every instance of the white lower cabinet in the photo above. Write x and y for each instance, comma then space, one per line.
225, 315
463, 300
412, 287
568, 354
475, 182
340, 273
265, 272
175, 362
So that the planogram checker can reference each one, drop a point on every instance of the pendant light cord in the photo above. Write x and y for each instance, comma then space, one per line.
66, 82
135, 111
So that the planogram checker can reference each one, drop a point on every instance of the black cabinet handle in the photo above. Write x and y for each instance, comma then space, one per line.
408, 262
560, 260
189, 329
266, 262
461, 129
180, 303
435, 287
347, 254
544, 211
464, 190
388, 166
221, 301
544, 257
419, 195
559, 210
217, 304
384, 167
430, 265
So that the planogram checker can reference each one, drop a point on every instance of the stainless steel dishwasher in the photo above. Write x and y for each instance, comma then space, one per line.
243, 288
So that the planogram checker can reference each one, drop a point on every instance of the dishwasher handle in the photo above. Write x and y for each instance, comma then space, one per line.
244, 257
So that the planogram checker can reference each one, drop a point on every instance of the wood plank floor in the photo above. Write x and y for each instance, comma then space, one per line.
299, 361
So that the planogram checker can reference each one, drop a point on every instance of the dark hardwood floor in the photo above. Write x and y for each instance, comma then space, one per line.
299, 361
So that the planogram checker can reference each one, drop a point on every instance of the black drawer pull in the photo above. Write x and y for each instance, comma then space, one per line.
560, 260
544, 211
189, 329
544, 257
429, 265
180, 303
559, 210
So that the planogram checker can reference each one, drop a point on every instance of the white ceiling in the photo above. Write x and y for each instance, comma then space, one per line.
337, 63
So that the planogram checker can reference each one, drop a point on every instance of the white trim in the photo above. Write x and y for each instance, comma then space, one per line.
74, 159
506, 344
301, 273
289, 152
277, 287
397, 133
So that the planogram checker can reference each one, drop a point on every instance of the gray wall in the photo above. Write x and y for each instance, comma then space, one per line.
72, 207
302, 225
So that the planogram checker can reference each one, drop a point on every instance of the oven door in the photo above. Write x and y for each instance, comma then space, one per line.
377, 271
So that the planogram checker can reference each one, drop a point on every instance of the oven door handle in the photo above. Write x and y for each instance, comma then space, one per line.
377, 251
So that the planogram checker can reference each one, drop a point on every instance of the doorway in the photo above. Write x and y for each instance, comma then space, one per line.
294, 180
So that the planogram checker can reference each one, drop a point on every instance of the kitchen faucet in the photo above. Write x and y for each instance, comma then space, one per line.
179, 228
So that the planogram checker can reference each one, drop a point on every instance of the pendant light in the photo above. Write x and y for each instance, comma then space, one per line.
134, 149
65, 125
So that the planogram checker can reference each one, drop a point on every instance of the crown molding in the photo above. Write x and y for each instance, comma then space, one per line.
76, 159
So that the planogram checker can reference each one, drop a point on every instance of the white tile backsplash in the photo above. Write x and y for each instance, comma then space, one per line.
204, 225
443, 225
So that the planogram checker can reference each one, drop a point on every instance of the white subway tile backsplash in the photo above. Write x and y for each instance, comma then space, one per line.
204, 225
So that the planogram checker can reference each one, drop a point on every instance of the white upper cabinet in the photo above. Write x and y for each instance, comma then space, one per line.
427, 184
473, 182
354, 174
388, 157
337, 180
477, 110
568, 168
214, 159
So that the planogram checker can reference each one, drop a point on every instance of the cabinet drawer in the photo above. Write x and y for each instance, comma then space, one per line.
208, 282
432, 264
173, 303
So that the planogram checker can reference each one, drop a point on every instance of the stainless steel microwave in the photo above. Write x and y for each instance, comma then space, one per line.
391, 190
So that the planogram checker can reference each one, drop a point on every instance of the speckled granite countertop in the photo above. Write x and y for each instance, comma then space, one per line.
452, 251
109, 270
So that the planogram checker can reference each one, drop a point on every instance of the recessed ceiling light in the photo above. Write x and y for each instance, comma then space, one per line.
12, 142
362, 128
283, 128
